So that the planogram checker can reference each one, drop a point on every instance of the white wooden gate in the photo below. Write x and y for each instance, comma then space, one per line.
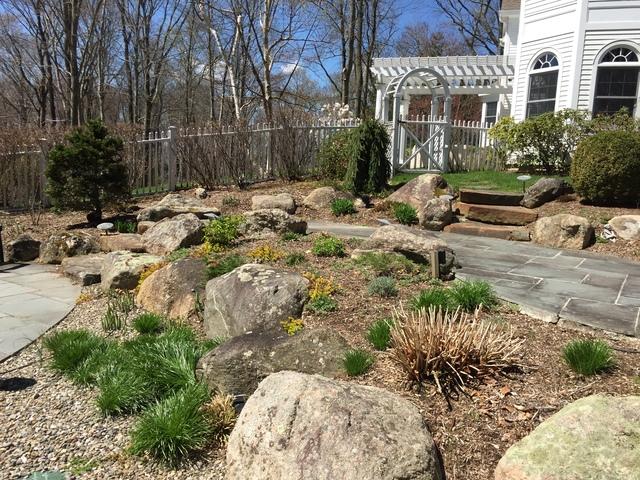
421, 143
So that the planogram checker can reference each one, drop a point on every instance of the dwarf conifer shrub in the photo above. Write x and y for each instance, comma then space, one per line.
588, 357
383, 287
87, 171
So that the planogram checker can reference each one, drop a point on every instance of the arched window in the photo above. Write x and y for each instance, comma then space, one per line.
543, 85
617, 82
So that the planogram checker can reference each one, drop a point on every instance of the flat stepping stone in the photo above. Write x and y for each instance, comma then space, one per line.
122, 241
476, 229
496, 214
490, 197
84, 269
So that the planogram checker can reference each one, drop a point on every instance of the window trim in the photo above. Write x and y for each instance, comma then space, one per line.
599, 62
532, 71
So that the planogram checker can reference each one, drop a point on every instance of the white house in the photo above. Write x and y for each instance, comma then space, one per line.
557, 54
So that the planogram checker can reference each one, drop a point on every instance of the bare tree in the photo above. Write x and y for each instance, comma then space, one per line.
477, 21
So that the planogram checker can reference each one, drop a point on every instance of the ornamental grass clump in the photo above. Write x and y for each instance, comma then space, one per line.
405, 213
69, 348
588, 357
148, 323
357, 362
383, 287
451, 349
385, 264
342, 206
471, 295
437, 297
379, 334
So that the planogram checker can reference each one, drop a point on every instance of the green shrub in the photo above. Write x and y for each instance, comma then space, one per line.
294, 259
383, 287
543, 142
328, 246
386, 264
122, 389
379, 334
222, 232
470, 295
588, 357
87, 171
148, 323
69, 348
224, 265
125, 226
322, 303
333, 156
173, 427
605, 168
368, 170
356, 362
405, 213
342, 206
90, 369
433, 297
178, 255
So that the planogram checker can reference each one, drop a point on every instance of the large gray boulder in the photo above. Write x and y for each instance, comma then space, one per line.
626, 227
420, 190
170, 234
173, 289
307, 427
564, 231
240, 364
283, 201
270, 222
67, 244
543, 191
84, 269
414, 244
122, 270
252, 297
435, 214
23, 249
175, 204
595, 438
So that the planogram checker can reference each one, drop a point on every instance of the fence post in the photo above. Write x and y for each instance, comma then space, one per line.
172, 157
42, 164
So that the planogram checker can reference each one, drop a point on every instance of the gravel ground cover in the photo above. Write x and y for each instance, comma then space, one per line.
55, 424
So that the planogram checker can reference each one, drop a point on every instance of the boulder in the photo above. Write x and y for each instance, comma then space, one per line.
172, 205
200, 193
564, 231
122, 241
121, 270
283, 201
414, 244
67, 244
253, 297
144, 226
596, 438
23, 249
543, 191
270, 222
626, 227
170, 234
435, 214
172, 290
84, 269
321, 198
302, 427
490, 197
420, 190
240, 364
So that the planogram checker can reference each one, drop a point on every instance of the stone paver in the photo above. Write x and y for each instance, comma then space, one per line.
547, 283
33, 298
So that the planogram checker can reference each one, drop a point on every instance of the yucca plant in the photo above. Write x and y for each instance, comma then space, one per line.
588, 357
450, 348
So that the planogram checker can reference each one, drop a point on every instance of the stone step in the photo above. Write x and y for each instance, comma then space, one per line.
476, 229
488, 197
497, 214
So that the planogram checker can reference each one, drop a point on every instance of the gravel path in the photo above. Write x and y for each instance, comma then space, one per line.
55, 425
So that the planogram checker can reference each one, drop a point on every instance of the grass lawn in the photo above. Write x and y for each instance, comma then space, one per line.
486, 180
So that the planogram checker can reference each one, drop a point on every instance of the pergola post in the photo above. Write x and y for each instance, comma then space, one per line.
380, 103
447, 133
